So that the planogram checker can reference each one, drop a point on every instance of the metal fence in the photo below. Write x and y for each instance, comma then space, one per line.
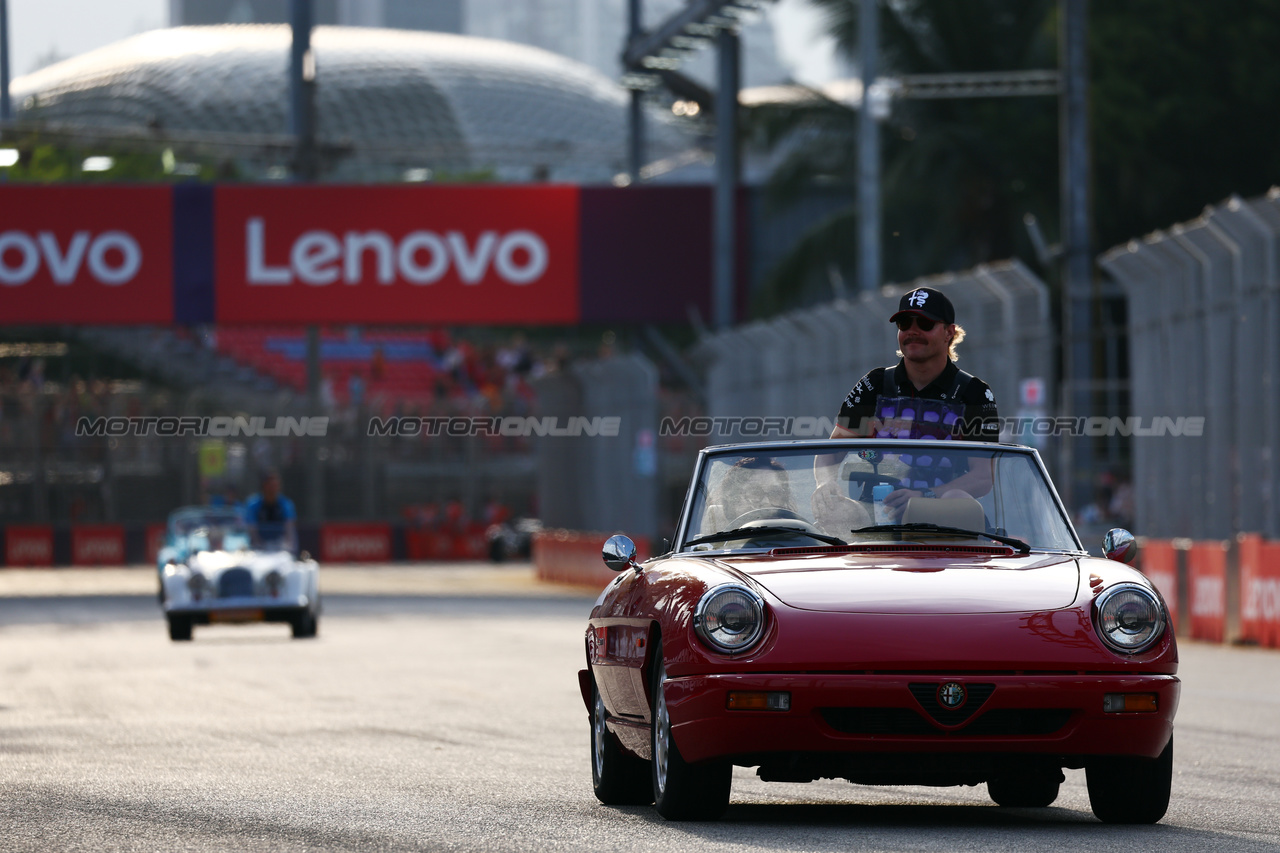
583, 453
802, 364
51, 474
1204, 329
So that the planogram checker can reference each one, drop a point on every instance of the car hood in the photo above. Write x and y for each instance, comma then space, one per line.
258, 562
888, 583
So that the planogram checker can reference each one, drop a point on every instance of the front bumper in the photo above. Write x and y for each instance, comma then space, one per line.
241, 609
1059, 717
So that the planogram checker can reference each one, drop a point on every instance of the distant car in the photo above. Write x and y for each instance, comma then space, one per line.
209, 574
803, 626
512, 539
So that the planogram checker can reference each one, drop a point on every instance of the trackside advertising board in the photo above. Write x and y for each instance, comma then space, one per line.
396, 254
86, 254
290, 254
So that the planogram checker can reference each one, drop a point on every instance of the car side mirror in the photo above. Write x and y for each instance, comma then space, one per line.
1120, 545
619, 553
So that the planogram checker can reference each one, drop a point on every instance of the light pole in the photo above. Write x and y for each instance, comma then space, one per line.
5, 108
1077, 290
868, 152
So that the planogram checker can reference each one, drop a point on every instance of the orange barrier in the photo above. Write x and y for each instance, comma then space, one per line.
1259, 590
1207, 575
570, 556
1158, 560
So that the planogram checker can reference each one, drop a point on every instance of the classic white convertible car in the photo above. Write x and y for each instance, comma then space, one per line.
209, 574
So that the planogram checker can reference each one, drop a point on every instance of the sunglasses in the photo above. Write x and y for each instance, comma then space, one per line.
925, 324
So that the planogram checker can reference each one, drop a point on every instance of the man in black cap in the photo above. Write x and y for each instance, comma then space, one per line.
925, 395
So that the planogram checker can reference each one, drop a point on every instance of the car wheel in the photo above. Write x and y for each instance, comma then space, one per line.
305, 625
1025, 790
619, 778
1131, 790
683, 791
179, 627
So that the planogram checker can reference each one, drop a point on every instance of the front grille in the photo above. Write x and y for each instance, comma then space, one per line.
877, 721
1010, 722
926, 694
1001, 722
235, 583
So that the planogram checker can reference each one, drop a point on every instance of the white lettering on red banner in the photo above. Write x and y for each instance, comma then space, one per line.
1262, 599
352, 546
113, 257
1208, 597
320, 257
29, 549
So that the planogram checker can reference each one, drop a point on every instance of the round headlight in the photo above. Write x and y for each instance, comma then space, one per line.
729, 618
1130, 618
198, 584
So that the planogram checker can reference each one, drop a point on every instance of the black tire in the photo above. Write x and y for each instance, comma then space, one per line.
305, 626
1025, 790
683, 791
179, 627
618, 778
1131, 790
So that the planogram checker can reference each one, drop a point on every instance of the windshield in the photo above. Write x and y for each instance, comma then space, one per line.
854, 492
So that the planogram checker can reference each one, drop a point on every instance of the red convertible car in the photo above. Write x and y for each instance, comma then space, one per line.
886, 612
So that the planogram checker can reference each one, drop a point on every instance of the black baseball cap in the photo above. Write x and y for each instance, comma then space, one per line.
928, 303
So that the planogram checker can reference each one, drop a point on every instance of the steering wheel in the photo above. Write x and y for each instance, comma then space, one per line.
773, 513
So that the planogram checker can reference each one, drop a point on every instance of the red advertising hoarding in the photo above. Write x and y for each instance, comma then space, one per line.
28, 545
355, 543
448, 254
97, 545
1207, 576
1260, 590
86, 254
1158, 560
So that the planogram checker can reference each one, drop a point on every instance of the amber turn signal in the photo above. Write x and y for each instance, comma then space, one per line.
1130, 702
740, 700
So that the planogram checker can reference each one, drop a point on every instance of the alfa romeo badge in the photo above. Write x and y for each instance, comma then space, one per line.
951, 695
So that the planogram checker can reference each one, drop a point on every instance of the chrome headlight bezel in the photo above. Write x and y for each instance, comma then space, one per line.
1152, 629
710, 624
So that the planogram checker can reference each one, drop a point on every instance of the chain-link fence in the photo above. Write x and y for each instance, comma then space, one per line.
1204, 328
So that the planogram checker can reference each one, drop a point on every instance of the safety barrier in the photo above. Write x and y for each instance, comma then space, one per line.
574, 557
1223, 591
47, 545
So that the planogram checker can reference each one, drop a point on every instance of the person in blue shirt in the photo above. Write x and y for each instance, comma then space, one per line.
271, 516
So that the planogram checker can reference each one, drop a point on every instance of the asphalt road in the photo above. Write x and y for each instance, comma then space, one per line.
441, 712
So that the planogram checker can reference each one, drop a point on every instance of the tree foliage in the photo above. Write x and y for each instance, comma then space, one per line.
1182, 115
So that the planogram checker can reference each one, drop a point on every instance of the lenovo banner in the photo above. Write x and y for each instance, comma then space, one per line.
355, 543
1159, 562
1260, 590
1207, 575
449, 254
97, 545
86, 254
28, 545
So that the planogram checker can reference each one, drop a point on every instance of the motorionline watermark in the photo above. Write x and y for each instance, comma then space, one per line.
814, 427
202, 427
507, 426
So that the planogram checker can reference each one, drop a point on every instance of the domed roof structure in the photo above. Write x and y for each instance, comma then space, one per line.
395, 99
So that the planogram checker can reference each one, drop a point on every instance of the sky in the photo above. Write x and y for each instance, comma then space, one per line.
38, 28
